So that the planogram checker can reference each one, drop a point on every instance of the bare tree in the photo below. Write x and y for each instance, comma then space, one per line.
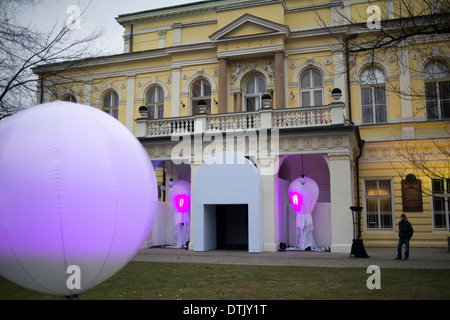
24, 47
431, 161
413, 28
409, 23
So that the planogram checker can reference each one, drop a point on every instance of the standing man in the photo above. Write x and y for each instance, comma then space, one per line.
405, 232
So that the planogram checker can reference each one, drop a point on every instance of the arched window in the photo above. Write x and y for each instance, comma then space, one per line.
69, 98
437, 90
311, 88
201, 90
255, 87
110, 104
154, 101
373, 96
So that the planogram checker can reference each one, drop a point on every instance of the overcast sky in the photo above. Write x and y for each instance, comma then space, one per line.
100, 14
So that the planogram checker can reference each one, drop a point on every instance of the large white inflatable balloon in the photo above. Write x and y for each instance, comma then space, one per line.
77, 197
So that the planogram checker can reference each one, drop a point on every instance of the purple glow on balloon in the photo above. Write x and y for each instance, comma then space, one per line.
76, 188
182, 203
180, 196
296, 200
303, 193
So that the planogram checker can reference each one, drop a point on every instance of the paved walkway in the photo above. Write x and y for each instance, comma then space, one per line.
420, 258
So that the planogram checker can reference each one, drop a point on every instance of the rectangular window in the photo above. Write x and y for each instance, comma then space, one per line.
437, 99
306, 101
373, 102
441, 197
379, 208
367, 112
444, 91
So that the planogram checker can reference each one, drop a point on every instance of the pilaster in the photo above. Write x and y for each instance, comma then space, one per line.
129, 119
405, 81
223, 86
176, 80
279, 81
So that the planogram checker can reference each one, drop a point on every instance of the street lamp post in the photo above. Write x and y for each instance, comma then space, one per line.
357, 245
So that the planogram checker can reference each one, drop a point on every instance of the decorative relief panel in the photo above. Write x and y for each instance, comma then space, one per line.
159, 150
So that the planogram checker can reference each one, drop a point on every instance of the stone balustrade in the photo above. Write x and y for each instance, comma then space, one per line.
332, 114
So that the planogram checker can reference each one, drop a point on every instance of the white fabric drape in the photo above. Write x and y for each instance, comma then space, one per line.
181, 220
304, 198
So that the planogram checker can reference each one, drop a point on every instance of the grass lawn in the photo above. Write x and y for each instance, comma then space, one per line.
188, 281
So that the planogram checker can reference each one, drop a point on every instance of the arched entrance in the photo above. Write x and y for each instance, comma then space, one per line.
315, 167
167, 173
227, 204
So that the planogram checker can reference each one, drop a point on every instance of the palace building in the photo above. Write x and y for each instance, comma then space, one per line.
241, 97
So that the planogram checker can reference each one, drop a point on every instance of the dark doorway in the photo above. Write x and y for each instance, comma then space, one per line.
232, 226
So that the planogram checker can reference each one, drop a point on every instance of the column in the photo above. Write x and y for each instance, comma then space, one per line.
341, 201
162, 38
279, 81
129, 116
269, 209
238, 102
223, 86
193, 226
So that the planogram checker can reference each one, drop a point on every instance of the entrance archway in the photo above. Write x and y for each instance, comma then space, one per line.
227, 180
164, 225
315, 167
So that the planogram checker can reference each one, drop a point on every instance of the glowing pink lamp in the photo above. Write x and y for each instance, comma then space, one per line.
182, 203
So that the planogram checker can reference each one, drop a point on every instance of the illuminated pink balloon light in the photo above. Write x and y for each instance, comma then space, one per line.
180, 196
182, 203
76, 189
296, 200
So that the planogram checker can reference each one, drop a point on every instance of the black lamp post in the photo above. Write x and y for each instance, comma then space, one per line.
357, 244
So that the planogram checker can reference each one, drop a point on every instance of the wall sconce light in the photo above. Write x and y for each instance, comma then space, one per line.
329, 91
214, 101
292, 95
182, 104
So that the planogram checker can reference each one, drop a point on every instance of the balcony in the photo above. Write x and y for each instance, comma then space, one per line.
322, 116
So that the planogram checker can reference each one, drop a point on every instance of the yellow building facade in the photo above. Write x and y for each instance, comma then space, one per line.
359, 146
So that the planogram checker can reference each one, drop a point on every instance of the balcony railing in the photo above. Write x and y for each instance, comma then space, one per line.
332, 114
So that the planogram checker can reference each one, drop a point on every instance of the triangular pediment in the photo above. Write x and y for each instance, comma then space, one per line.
249, 26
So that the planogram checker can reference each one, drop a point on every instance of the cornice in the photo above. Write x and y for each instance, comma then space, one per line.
185, 9
250, 51
316, 6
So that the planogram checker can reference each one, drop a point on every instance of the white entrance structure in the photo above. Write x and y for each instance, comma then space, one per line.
226, 179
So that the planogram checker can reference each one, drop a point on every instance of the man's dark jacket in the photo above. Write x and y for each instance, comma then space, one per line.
405, 229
